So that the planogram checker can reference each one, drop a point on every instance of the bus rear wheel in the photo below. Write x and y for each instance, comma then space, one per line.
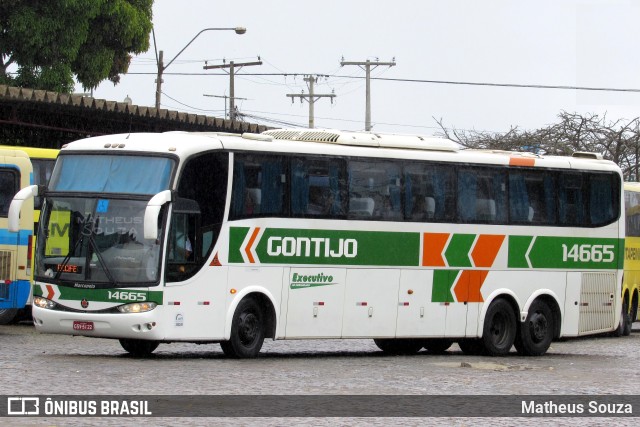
537, 331
247, 331
138, 348
402, 346
624, 327
500, 327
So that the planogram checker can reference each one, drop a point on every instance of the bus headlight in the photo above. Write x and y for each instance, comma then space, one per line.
43, 303
137, 307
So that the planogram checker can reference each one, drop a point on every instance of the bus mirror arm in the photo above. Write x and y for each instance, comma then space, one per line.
152, 211
16, 206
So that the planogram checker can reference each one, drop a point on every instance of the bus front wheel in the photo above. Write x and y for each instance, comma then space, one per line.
437, 345
536, 332
403, 346
500, 327
247, 331
138, 348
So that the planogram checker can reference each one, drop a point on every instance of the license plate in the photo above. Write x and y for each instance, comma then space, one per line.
82, 326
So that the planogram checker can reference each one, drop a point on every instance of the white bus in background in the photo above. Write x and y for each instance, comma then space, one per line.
299, 234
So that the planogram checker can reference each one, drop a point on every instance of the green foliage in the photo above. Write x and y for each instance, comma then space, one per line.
52, 41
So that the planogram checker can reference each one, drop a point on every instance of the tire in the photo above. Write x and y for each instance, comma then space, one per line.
247, 331
437, 345
626, 317
624, 326
7, 315
399, 346
627, 325
537, 331
500, 328
139, 348
472, 346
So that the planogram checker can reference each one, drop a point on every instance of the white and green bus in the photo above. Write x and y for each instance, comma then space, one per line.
301, 234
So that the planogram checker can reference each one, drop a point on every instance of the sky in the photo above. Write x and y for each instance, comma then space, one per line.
436, 44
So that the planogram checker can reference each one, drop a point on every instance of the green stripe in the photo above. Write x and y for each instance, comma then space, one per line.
236, 237
337, 247
566, 253
518, 246
457, 253
115, 295
442, 283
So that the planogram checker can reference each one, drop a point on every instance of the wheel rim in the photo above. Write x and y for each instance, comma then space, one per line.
248, 328
538, 327
499, 329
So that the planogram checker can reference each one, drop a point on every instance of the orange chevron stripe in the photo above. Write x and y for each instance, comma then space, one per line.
486, 249
247, 249
432, 248
467, 288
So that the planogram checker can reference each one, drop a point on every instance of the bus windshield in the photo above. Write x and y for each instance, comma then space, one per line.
96, 242
111, 174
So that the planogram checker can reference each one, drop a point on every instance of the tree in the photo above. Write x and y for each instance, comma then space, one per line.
52, 41
618, 141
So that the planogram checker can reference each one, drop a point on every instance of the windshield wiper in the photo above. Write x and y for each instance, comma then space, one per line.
67, 258
88, 228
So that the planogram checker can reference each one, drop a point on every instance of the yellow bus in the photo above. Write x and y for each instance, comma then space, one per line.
631, 281
42, 162
15, 246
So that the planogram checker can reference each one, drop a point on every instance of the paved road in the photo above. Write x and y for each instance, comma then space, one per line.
55, 364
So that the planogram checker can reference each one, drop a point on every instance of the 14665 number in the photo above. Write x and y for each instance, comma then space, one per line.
127, 296
588, 253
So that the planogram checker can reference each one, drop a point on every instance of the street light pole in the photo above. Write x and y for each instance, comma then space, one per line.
162, 67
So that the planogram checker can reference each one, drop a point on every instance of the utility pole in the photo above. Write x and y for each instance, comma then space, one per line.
162, 67
225, 100
159, 79
232, 70
366, 66
311, 98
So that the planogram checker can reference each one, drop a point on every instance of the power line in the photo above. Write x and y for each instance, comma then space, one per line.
426, 81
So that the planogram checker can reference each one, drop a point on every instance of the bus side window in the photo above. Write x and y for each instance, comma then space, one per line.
180, 244
259, 182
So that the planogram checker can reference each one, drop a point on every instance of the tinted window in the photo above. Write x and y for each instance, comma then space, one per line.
317, 187
258, 186
8, 188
